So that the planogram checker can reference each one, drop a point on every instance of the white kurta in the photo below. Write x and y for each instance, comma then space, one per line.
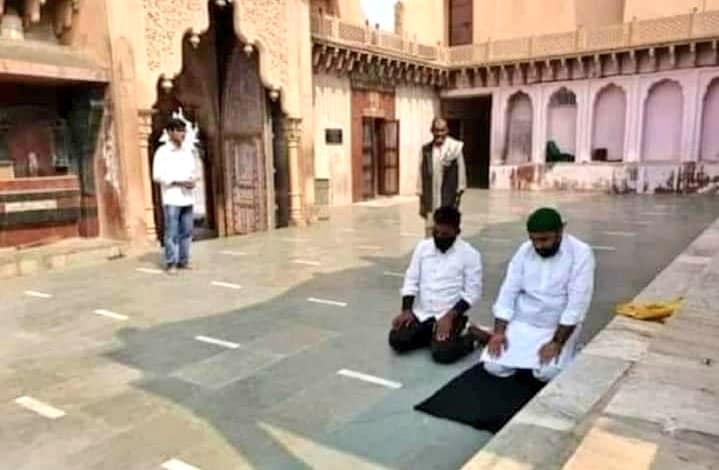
439, 280
539, 294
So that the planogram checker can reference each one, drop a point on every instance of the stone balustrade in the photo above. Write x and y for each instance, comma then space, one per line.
614, 37
607, 38
335, 30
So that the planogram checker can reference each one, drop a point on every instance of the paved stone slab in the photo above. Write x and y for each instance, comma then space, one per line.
49, 440
290, 339
674, 407
565, 402
265, 415
224, 368
612, 444
341, 398
146, 446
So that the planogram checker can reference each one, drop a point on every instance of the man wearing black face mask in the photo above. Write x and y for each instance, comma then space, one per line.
543, 301
443, 281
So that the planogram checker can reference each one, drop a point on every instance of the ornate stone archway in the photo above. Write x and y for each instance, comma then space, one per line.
261, 29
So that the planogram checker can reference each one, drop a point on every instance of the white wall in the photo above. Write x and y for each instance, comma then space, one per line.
332, 101
609, 122
519, 130
562, 127
663, 118
415, 107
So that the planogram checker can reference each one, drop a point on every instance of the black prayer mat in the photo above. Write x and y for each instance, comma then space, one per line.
481, 400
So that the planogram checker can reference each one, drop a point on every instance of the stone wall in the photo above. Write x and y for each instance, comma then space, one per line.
656, 132
333, 161
415, 108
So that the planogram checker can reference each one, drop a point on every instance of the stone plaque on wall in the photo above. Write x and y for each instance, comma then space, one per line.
333, 136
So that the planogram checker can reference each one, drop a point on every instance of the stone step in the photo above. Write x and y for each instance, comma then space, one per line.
66, 253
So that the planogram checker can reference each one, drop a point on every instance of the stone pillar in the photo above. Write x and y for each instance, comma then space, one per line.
293, 136
635, 122
585, 123
691, 127
499, 127
144, 131
539, 125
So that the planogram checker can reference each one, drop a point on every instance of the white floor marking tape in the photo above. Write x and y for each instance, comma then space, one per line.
369, 378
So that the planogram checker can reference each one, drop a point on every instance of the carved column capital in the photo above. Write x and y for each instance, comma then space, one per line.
144, 124
293, 131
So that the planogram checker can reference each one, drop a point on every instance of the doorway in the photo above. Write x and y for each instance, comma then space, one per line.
380, 158
470, 120
219, 89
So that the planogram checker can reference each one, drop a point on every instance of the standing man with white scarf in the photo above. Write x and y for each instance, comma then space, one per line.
442, 173
543, 301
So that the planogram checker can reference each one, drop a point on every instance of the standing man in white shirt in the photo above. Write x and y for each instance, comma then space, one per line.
174, 169
443, 281
442, 173
543, 301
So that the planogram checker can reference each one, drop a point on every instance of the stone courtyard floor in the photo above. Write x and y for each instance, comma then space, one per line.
273, 354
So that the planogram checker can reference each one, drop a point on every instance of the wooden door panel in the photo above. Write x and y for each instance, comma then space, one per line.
242, 144
389, 159
368, 158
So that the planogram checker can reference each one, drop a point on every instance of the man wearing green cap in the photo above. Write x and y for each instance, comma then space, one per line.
543, 301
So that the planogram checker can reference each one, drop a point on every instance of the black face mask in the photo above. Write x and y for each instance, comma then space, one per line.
443, 244
549, 252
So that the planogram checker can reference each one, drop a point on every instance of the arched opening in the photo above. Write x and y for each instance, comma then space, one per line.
663, 117
610, 109
220, 90
518, 145
710, 117
562, 126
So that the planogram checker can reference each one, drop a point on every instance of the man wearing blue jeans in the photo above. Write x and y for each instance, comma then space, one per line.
174, 169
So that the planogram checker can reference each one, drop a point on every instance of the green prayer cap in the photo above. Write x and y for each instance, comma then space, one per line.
545, 219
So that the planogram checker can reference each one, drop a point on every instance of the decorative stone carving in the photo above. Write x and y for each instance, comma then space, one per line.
108, 155
263, 23
166, 22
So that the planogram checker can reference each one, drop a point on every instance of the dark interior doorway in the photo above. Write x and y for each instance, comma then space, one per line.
470, 120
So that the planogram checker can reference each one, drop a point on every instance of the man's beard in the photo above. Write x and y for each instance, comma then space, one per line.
549, 252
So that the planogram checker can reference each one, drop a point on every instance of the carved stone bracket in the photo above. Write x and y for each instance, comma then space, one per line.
33, 11
587, 65
374, 68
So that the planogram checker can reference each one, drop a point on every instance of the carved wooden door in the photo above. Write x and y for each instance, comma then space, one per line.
242, 146
389, 159
369, 152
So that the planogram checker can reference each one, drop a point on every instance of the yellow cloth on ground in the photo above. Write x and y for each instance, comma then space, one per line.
655, 311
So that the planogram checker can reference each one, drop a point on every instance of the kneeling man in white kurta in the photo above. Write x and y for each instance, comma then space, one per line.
542, 302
